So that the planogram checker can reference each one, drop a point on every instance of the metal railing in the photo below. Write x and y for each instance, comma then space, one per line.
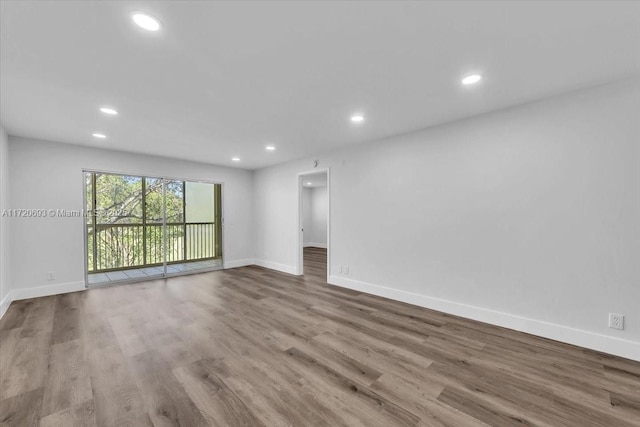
125, 246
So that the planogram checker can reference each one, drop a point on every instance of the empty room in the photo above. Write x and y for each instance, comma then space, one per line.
319, 213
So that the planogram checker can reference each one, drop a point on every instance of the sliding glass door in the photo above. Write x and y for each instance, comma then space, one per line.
141, 227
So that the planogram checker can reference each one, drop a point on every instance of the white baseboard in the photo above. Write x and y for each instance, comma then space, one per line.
39, 291
591, 340
239, 263
5, 303
43, 291
315, 245
289, 269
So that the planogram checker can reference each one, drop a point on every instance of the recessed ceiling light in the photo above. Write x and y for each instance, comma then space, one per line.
235, 159
308, 183
109, 111
145, 21
357, 118
471, 79
99, 135
270, 148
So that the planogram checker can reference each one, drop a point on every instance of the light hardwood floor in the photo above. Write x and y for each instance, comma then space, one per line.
253, 347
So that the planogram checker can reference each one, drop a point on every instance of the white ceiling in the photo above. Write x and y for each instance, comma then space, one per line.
224, 79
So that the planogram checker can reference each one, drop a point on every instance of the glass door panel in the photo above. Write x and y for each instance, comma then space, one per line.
154, 231
118, 222
174, 197
201, 207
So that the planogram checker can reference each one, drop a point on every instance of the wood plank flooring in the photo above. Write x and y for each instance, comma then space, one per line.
253, 347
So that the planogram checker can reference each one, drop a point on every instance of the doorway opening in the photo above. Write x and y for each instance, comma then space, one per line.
314, 223
141, 227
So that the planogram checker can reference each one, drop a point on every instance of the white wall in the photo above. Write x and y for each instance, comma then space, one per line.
315, 216
4, 223
48, 175
306, 216
527, 218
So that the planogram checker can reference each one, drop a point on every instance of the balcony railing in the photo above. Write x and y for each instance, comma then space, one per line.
124, 246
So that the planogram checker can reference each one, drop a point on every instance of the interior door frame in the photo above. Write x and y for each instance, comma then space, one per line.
299, 239
143, 176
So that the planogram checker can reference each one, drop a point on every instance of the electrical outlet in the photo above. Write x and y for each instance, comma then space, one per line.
51, 276
345, 269
340, 269
616, 321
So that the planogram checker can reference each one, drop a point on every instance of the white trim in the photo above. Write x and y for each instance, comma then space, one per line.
239, 263
289, 269
6, 302
579, 337
315, 245
39, 291
44, 291
329, 186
